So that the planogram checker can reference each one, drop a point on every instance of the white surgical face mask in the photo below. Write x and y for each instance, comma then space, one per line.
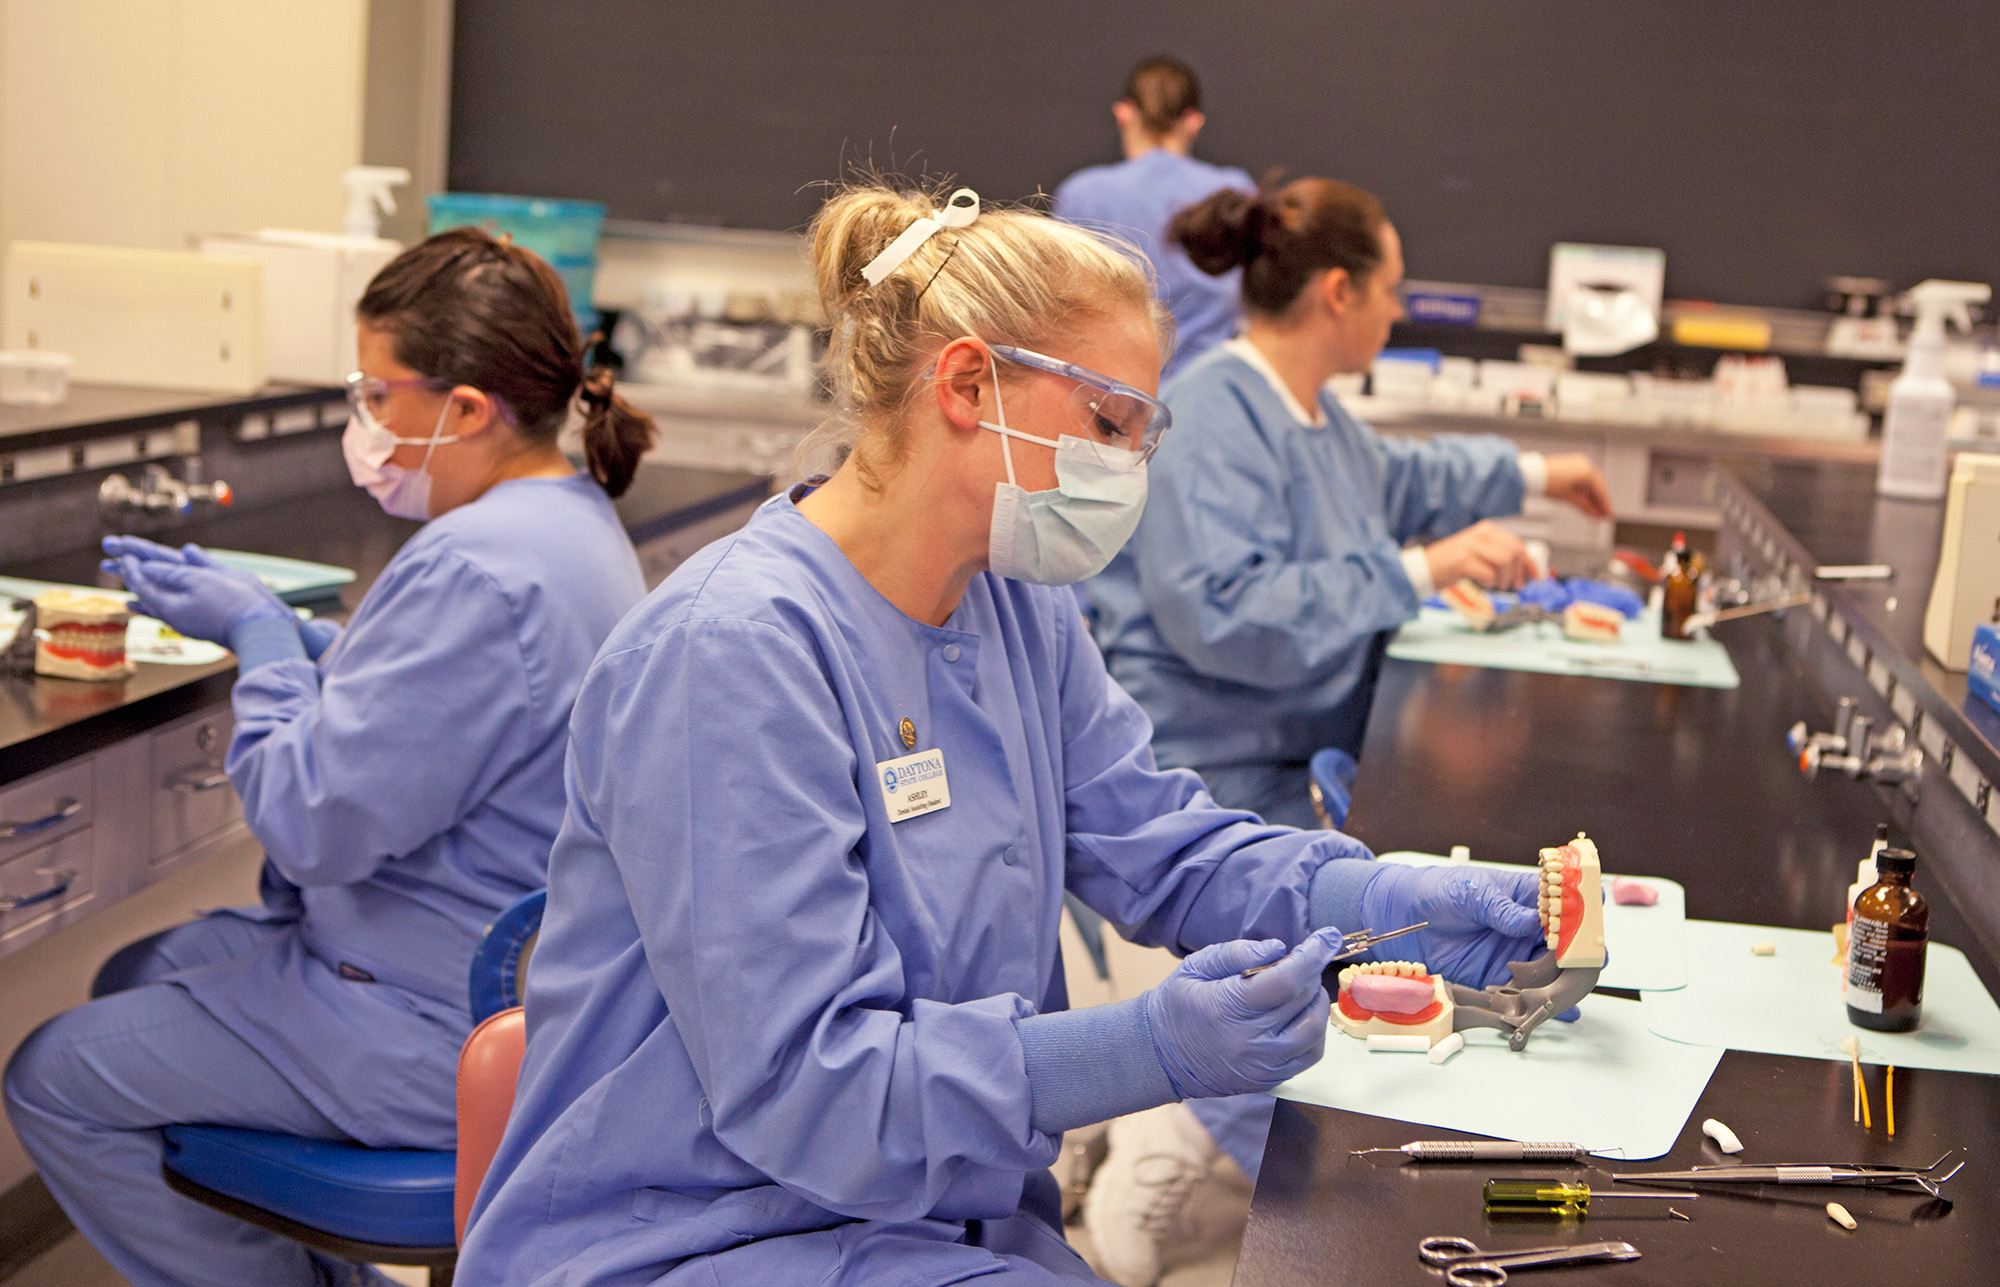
1071, 532
403, 493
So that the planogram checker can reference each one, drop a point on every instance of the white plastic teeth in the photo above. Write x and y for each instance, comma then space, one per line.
1554, 873
1408, 969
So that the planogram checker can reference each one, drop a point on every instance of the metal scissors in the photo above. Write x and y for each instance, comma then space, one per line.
1465, 1265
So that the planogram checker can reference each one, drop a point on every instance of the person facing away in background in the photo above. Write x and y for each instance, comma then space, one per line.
1158, 118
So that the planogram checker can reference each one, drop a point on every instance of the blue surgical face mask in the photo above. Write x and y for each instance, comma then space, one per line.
1069, 533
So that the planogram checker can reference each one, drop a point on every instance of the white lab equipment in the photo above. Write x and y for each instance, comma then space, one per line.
370, 195
1601, 319
161, 319
1967, 589
312, 281
1641, 270
33, 378
1918, 418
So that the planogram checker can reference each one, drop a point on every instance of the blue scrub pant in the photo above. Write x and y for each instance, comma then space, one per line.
1277, 793
89, 1090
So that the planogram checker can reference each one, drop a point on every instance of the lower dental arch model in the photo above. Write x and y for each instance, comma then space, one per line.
1402, 998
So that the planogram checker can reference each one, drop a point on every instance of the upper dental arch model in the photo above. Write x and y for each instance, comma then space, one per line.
1403, 998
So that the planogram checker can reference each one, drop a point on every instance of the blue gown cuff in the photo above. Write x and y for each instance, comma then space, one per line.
1092, 1065
1334, 897
262, 640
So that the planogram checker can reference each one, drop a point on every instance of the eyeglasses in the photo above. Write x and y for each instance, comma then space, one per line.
1103, 409
368, 395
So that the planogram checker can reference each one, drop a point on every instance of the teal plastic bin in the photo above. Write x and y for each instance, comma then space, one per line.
563, 232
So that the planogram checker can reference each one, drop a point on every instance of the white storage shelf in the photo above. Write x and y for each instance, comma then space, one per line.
78, 837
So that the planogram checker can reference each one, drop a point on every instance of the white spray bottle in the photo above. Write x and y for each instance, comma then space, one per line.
370, 196
1918, 418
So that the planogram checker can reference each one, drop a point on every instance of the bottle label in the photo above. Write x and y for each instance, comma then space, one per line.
1867, 954
1913, 440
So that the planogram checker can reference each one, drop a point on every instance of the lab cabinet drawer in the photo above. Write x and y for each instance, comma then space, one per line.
45, 808
45, 886
192, 797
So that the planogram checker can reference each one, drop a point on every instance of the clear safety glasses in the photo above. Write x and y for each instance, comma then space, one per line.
368, 395
1103, 409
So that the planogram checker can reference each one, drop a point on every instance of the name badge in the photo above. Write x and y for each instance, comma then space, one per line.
914, 785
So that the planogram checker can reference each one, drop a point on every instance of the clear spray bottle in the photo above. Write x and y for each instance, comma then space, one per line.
1918, 418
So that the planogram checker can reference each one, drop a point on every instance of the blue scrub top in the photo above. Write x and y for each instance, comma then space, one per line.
1247, 612
1135, 200
759, 1007
407, 787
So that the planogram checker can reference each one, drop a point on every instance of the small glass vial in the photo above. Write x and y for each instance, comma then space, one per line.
1885, 948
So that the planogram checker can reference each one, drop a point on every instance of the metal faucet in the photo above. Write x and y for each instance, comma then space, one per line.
1855, 750
159, 491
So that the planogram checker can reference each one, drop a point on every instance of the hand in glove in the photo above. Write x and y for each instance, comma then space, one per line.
1218, 1033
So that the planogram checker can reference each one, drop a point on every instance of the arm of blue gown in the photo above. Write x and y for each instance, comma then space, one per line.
1447, 483
415, 724
720, 769
1152, 853
1213, 553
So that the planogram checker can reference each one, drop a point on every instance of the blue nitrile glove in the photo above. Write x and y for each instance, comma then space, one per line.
194, 595
1548, 594
117, 547
1616, 597
318, 634
1218, 1033
1479, 919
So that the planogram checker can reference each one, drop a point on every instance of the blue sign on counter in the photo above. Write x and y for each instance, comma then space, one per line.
1984, 676
1445, 310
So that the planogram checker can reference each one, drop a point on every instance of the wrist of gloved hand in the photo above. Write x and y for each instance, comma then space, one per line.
259, 639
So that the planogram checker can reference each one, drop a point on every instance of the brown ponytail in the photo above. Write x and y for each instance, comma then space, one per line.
615, 435
1164, 91
469, 308
1283, 237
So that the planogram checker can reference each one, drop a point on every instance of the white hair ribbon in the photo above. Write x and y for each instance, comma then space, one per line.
959, 211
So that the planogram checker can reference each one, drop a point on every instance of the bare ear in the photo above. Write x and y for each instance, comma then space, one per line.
474, 411
1338, 290
964, 374
1191, 122
1126, 113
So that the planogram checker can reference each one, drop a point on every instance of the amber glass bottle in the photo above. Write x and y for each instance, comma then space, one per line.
1885, 948
1677, 590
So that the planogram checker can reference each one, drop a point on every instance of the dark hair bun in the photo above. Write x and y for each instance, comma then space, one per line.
1219, 232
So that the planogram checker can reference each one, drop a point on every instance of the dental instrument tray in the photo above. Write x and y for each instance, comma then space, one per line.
293, 580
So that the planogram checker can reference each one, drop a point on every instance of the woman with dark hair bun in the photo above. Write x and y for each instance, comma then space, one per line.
405, 777
1159, 117
1249, 612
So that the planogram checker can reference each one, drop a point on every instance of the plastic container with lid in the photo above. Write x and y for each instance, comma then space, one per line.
32, 378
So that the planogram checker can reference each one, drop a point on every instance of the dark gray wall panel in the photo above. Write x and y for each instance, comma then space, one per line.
1764, 145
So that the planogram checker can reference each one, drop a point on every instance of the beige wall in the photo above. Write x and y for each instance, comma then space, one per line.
149, 122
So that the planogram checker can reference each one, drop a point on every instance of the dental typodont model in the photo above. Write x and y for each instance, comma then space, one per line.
81, 636
1470, 602
1403, 998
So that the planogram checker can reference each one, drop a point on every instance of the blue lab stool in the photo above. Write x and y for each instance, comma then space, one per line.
1331, 784
389, 1206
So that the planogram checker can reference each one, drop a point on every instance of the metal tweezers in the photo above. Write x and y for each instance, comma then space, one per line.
1354, 944
1858, 1174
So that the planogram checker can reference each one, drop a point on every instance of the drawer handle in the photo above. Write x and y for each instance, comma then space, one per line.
197, 781
67, 807
64, 879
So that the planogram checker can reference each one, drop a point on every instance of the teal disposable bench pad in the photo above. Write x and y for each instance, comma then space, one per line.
1441, 636
1603, 1081
1790, 1003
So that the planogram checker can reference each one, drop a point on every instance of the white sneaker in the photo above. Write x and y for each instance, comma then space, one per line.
1164, 1196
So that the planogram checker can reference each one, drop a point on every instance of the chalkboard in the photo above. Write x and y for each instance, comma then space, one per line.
1764, 146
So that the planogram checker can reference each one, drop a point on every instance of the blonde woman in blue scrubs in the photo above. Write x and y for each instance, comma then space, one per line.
797, 1013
